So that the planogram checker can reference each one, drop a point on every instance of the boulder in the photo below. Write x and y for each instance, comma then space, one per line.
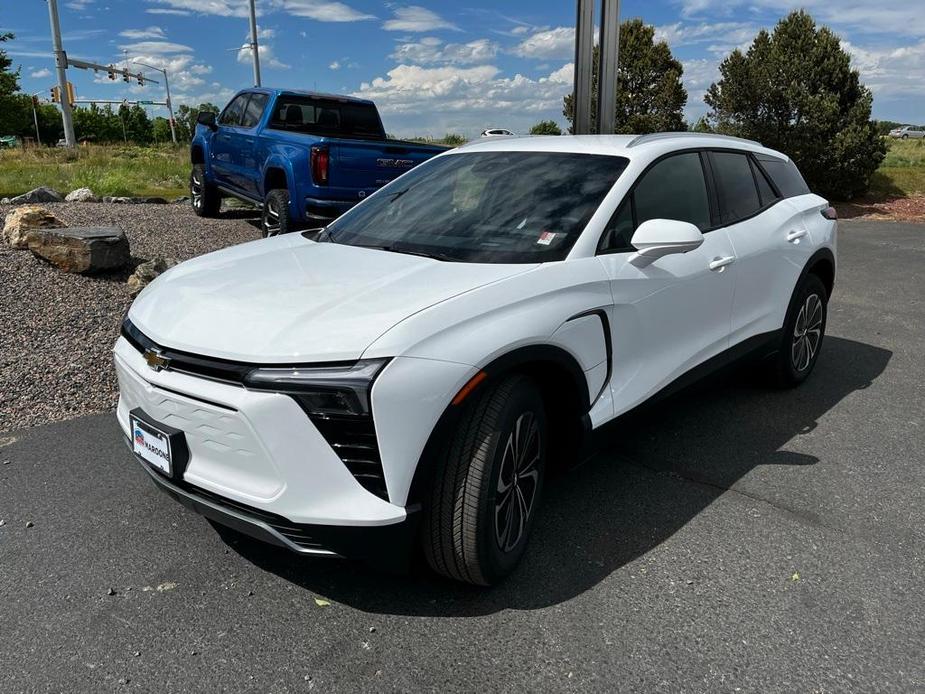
155, 200
81, 195
41, 194
81, 249
5, 201
147, 271
24, 219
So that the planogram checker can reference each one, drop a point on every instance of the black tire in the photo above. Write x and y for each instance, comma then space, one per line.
276, 217
905, 137
472, 530
204, 196
803, 333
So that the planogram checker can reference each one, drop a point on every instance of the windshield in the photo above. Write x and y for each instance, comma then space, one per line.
484, 207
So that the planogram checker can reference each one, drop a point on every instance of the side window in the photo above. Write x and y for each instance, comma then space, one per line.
785, 175
765, 190
254, 110
619, 230
735, 186
674, 189
233, 111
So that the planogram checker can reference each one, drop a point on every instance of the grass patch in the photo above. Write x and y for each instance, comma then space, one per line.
106, 169
902, 173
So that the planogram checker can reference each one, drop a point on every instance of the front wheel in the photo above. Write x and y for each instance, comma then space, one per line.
487, 486
804, 329
276, 218
204, 196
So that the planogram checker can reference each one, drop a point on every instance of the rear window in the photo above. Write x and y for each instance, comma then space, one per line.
330, 117
785, 175
735, 186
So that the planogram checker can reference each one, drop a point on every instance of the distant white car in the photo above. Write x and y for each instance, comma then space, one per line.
908, 131
497, 132
405, 374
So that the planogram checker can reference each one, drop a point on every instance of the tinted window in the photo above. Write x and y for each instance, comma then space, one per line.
485, 207
619, 230
785, 175
233, 111
254, 110
735, 186
674, 189
764, 186
317, 116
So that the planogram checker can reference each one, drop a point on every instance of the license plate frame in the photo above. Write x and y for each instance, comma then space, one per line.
152, 444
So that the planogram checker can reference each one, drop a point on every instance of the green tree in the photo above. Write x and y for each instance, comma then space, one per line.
186, 119
650, 95
546, 127
9, 78
794, 90
161, 130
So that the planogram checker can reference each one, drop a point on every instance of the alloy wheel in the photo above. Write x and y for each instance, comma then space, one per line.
195, 188
518, 479
270, 220
807, 333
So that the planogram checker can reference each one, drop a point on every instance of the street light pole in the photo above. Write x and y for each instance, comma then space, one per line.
163, 71
35, 119
67, 118
254, 49
584, 46
609, 64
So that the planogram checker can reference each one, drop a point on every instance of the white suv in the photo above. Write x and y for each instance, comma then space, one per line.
407, 374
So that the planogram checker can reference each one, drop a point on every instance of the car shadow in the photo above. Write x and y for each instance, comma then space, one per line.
654, 471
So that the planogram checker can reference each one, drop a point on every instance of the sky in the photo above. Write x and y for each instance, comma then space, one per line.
433, 67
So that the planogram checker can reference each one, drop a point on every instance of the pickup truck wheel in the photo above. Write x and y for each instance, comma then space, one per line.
487, 488
276, 217
204, 196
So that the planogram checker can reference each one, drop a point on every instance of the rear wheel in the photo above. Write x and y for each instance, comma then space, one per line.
804, 329
487, 487
276, 218
204, 196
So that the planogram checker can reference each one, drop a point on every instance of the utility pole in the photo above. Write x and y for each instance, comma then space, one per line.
584, 45
35, 118
607, 71
67, 118
163, 71
254, 49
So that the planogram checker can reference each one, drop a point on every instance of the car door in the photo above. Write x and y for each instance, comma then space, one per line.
225, 141
245, 158
673, 314
769, 238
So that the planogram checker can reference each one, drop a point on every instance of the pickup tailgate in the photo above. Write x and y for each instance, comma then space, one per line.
370, 164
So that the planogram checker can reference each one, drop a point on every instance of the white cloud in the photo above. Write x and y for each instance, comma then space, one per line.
156, 47
334, 66
890, 71
549, 44
41, 73
161, 10
722, 37
78, 5
152, 32
267, 56
433, 50
323, 10
224, 8
417, 19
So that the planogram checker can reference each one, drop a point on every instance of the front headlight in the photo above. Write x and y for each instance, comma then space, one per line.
324, 390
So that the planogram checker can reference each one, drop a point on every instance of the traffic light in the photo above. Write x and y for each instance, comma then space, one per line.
56, 95
125, 77
112, 72
71, 96
141, 80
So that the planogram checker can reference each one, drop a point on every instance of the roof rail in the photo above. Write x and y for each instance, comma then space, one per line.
654, 137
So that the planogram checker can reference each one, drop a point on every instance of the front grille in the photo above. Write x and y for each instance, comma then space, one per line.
353, 438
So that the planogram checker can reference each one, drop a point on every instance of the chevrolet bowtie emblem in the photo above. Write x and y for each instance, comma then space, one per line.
156, 360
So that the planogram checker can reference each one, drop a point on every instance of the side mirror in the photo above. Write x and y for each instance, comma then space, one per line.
660, 237
206, 118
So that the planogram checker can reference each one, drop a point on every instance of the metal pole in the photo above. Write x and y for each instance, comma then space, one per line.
173, 131
67, 118
35, 119
254, 48
584, 47
609, 63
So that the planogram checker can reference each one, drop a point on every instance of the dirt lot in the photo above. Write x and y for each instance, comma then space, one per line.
56, 329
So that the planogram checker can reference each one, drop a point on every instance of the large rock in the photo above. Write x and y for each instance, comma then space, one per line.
23, 220
81, 249
81, 195
146, 272
41, 194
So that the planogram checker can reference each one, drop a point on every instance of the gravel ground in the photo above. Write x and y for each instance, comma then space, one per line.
57, 329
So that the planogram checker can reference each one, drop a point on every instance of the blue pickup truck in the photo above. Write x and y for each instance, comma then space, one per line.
304, 158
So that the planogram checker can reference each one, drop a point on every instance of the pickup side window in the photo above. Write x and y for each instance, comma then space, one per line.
327, 117
233, 111
254, 110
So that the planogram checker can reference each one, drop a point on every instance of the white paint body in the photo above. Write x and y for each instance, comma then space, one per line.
291, 300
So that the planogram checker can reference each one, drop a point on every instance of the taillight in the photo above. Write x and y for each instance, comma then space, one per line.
320, 160
830, 213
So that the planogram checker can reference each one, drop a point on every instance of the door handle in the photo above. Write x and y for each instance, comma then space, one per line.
717, 264
796, 235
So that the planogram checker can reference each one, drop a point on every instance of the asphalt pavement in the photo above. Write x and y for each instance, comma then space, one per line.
729, 539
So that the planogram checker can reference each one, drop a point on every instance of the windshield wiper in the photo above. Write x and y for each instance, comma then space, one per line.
408, 251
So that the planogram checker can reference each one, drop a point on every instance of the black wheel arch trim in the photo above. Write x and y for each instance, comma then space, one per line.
821, 255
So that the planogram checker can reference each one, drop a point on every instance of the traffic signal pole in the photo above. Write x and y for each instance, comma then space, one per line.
163, 71
35, 118
67, 118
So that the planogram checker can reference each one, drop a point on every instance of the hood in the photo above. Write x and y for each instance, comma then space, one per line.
287, 299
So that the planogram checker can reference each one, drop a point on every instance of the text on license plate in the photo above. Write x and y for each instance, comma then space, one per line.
151, 445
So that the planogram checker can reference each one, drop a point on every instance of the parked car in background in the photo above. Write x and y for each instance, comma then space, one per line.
497, 132
908, 132
9, 142
406, 374
304, 158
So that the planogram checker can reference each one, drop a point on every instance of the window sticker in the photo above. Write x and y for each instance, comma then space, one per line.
546, 238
